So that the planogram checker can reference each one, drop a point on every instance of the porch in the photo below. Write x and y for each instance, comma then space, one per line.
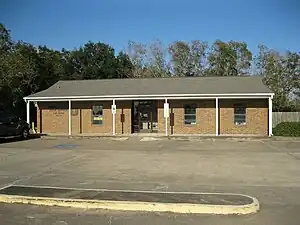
151, 116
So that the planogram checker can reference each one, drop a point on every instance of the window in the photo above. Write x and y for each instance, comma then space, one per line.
4, 119
239, 114
97, 114
190, 114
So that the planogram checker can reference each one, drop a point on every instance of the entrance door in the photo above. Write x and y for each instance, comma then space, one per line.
144, 116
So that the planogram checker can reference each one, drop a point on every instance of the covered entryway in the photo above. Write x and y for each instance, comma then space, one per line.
144, 116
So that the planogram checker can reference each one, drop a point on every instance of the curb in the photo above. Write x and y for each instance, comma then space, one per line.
137, 205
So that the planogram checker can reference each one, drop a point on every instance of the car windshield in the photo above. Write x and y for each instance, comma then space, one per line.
4, 117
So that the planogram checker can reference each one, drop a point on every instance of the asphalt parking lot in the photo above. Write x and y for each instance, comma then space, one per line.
265, 169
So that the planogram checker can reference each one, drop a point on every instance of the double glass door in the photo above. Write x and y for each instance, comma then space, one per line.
144, 116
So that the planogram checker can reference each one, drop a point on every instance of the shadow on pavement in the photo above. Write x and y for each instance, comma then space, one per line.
18, 139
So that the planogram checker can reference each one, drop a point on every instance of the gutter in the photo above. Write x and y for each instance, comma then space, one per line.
144, 97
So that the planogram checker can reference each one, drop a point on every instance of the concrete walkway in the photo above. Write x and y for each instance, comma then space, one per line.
160, 136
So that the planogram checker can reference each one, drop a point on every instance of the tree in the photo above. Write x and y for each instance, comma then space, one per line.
93, 61
188, 59
20, 72
51, 67
5, 39
229, 59
137, 54
157, 65
280, 73
293, 71
5, 47
124, 67
149, 60
25, 69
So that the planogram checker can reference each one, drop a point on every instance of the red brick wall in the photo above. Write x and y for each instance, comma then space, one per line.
52, 117
56, 120
205, 117
256, 117
125, 108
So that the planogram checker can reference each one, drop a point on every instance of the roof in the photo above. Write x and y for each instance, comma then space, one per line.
175, 86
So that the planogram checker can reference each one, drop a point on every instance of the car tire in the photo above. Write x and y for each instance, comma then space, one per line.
25, 134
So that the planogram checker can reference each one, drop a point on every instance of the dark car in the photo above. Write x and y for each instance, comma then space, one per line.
13, 126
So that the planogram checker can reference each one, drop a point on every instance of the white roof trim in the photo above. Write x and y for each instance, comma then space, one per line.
144, 97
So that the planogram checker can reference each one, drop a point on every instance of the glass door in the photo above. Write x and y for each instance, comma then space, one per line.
144, 116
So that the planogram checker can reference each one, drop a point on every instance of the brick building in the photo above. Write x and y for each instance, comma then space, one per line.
187, 105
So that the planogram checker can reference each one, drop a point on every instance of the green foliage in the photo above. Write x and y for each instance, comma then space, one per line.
26, 69
5, 39
229, 59
281, 75
124, 68
287, 129
93, 61
188, 59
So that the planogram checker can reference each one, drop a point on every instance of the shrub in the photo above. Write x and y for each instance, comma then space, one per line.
291, 129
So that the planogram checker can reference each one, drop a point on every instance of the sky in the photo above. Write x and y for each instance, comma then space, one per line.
71, 23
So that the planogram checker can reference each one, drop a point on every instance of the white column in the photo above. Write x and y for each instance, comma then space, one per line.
270, 117
166, 120
28, 112
70, 117
114, 119
217, 117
